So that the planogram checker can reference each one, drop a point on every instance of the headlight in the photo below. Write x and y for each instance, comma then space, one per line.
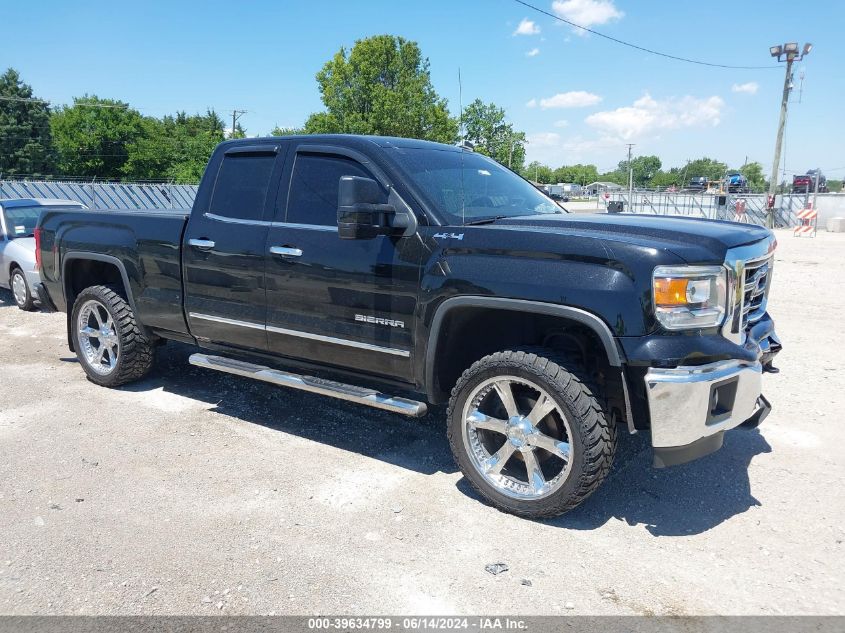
687, 297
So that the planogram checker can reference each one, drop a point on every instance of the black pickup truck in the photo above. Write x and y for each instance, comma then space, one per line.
395, 273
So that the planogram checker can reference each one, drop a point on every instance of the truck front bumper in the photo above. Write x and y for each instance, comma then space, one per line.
692, 406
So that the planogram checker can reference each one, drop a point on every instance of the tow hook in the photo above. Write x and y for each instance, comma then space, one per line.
762, 412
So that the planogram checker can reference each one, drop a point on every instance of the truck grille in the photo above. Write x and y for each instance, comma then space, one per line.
756, 280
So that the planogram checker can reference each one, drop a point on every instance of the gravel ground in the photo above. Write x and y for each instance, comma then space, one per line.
197, 493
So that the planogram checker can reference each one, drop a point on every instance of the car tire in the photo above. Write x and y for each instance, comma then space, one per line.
21, 290
521, 460
110, 346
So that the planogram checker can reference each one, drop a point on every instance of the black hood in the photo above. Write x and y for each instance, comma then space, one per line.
692, 239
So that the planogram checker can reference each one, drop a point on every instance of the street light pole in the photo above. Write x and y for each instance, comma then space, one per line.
790, 51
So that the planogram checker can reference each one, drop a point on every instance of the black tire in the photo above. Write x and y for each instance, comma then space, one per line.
592, 443
28, 304
135, 351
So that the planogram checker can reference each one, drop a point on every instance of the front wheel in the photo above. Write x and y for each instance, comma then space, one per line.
110, 346
21, 291
529, 434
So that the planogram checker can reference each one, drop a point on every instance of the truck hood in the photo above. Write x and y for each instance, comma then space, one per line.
692, 239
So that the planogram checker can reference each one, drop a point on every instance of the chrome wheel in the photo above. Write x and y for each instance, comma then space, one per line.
517, 437
19, 288
98, 338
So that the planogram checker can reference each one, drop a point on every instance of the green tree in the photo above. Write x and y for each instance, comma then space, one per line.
286, 131
578, 174
538, 172
150, 155
382, 86
709, 167
92, 136
26, 145
195, 136
753, 173
486, 128
644, 168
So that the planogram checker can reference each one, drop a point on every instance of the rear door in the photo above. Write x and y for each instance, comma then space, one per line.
347, 303
224, 248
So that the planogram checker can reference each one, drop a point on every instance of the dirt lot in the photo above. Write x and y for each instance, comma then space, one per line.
198, 493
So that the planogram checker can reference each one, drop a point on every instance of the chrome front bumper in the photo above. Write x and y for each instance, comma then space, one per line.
692, 406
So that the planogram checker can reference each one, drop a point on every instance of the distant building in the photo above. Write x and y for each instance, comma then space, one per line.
601, 187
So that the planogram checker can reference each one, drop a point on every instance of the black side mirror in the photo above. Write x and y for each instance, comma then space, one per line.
362, 209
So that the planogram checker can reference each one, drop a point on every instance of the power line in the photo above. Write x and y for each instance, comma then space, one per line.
639, 48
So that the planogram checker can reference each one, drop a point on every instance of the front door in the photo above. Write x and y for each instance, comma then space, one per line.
224, 250
347, 303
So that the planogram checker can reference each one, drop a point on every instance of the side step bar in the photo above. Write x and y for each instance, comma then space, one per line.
352, 393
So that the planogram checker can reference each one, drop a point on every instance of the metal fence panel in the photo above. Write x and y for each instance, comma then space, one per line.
111, 195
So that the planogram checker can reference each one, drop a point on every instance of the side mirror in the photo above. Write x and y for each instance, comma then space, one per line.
362, 209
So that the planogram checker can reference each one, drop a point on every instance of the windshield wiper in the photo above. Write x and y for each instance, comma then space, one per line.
487, 220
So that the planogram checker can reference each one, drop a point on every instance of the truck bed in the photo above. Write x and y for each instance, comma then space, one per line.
146, 244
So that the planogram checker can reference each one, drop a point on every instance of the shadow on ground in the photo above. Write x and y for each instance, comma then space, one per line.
6, 299
678, 501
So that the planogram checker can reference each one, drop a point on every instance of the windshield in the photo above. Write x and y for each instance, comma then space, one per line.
21, 221
464, 186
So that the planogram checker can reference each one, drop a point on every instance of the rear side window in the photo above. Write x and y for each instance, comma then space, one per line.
313, 187
241, 187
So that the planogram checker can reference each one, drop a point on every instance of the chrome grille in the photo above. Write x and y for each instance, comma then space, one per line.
756, 280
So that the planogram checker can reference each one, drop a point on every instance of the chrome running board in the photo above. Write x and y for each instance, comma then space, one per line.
352, 393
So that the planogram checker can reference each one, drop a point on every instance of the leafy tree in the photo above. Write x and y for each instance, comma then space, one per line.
486, 128
753, 173
150, 154
196, 136
578, 174
538, 172
286, 131
382, 86
709, 167
834, 186
174, 148
644, 168
26, 145
92, 136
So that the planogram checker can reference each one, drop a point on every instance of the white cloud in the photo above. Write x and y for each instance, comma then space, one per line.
527, 27
562, 123
531, 104
648, 115
749, 88
543, 139
587, 12
573, 99
533, 52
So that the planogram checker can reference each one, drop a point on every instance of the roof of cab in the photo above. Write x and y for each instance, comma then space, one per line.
352, 140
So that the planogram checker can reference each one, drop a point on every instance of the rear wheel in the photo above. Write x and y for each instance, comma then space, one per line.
529, 434
21, 291
110, 346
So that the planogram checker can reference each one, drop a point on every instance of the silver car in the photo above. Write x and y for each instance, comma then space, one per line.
17, 245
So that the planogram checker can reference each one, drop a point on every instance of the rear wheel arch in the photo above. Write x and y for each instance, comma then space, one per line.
81, 270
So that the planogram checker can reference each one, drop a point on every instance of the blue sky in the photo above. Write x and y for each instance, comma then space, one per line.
578, 97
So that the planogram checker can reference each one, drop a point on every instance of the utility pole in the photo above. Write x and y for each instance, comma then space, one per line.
790, 52
816, 189
630, 180
236, 114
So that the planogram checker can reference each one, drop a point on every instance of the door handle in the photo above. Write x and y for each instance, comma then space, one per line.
203, 245
286, 251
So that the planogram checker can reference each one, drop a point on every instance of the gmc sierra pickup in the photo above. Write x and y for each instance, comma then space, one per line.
365, 267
